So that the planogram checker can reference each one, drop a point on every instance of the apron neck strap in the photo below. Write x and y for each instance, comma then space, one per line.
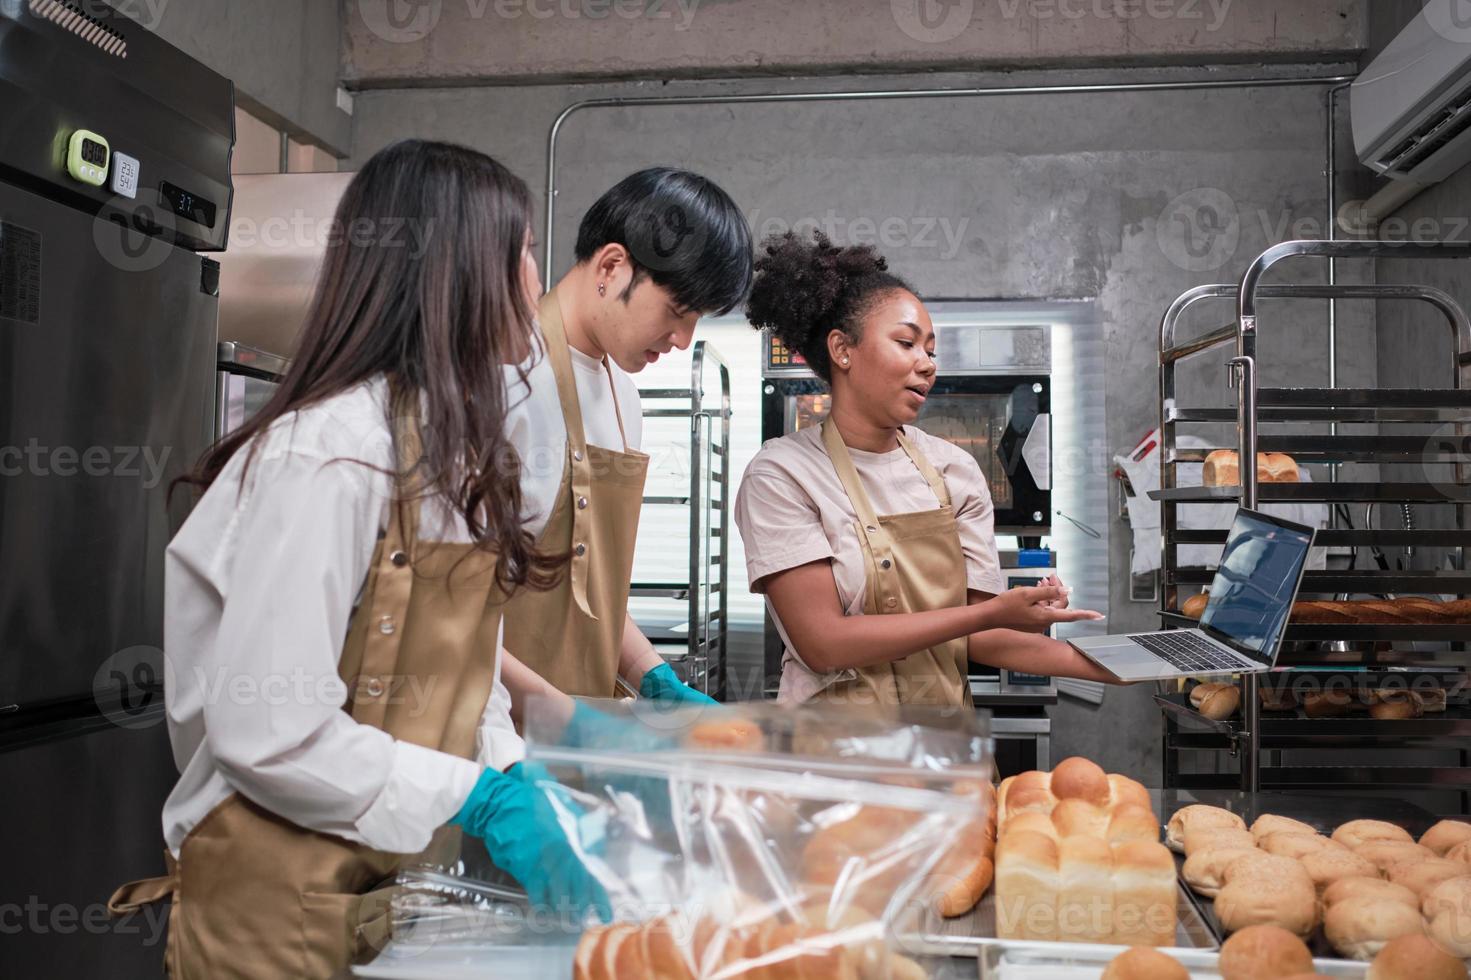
403, 517
559, 351
837, 450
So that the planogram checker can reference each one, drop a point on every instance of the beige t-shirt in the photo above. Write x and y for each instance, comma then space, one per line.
791, 510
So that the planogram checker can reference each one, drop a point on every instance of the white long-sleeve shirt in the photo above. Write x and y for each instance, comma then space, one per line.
260, 586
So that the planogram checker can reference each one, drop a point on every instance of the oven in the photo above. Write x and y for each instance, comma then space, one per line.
245, 379
992, 397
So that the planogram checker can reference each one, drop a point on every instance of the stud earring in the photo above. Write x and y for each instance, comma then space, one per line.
845, 362
602, 289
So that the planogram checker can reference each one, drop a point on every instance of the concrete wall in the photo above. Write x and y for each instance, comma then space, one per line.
1126, 198
282, 54
389, 42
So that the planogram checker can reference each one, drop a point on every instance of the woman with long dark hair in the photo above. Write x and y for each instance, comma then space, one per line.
872, 540
333, 603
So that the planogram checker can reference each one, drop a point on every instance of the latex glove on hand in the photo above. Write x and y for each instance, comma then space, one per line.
524, 837
661, 684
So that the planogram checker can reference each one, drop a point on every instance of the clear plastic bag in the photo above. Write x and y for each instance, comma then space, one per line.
763, 840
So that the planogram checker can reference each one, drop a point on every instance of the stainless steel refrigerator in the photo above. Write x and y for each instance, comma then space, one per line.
114, 179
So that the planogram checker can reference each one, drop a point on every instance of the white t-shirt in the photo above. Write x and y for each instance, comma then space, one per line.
535, 426
791, 509
259, 589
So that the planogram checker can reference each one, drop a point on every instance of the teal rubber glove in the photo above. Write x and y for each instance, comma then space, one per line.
661, 684
524, 838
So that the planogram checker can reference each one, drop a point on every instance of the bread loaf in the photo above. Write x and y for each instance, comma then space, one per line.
726, 734
1195, 605
1144, 963
1397, 705
1415, 957
1221, 702
1199, 816
1408, 610
1076, 779
1083, 889
1263, 951
1356, 833
1359, 927
1432, 700
1223, 469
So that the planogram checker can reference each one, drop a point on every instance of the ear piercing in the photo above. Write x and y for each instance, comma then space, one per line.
602, 289
845, 362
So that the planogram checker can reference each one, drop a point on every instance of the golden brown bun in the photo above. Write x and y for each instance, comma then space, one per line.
1076, 779
1385, 854
1359, 927
1144, 963
1327, 704
1264, 889
1421, 877
1446, 835
1447, 911
1217, 839
1415, 957
611, 959
1448, 896
1223, 469
1198, 692
1403, 704
1199, 816
1263, 951
1358, 832
1081, 779
1270, 823
1195, 605
726, 734
1432, 700
1221, 703
1205, 871
1367, 886
1331, 864
1281, 698
1296, 845
588, 949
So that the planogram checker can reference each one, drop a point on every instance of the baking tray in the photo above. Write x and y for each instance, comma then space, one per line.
967, 935
1004, 960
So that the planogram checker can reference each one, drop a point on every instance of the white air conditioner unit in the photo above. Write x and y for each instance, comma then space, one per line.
1411, 107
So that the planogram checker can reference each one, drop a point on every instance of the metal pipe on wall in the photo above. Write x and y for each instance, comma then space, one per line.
870, 95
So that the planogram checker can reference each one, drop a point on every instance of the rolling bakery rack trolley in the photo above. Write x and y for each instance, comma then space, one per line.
1258, 409
704, 588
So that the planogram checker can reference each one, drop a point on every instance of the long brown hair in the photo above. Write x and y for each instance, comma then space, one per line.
422, 283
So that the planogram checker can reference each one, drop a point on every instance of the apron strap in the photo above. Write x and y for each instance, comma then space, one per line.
555, 336
403, 517
134, 895
617, 409
927, 469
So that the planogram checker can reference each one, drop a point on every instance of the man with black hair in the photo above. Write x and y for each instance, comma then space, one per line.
655, 253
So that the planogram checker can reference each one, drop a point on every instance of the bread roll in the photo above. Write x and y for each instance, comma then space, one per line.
1358, 832
726, 734
1144, 963
1359, 927
1415, 957
1449, 896
1260, 864
1367, 886
966, 870
1263, 951
1432, 700
1461, 852
1421, 877
1385, 854
1296, 845
1270, 823
1260, 899
1199, 816
1220, 704
1331, 864
1195, 605
1217, 839
1076, 779
1199, 691
1205, 871
1450, 928
1399, 705
1327, 704
1445, 835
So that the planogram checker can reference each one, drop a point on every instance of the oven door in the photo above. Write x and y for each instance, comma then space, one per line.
1003, 421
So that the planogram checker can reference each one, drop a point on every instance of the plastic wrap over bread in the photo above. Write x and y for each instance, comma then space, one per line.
735, 840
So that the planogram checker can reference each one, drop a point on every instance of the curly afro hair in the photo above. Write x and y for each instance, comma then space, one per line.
806, 289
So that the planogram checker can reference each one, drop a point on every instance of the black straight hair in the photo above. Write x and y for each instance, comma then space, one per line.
682, 230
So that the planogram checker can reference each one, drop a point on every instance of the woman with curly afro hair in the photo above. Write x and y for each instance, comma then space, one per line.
873, 541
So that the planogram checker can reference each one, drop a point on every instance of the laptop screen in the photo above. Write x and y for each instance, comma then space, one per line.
1256, 582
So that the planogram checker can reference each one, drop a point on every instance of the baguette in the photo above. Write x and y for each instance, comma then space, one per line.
1410, 610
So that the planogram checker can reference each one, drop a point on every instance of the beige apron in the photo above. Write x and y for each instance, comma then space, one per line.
572, 634
255, 896
914, 564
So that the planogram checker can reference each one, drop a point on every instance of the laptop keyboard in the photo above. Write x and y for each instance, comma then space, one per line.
1188, 651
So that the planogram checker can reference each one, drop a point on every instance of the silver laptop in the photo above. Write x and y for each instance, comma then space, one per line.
1241, 629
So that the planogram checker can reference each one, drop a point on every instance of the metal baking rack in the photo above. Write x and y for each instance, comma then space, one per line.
1272, 420
697, 646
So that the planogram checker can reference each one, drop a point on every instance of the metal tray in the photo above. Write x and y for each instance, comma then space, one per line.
967, 935
1003, 960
